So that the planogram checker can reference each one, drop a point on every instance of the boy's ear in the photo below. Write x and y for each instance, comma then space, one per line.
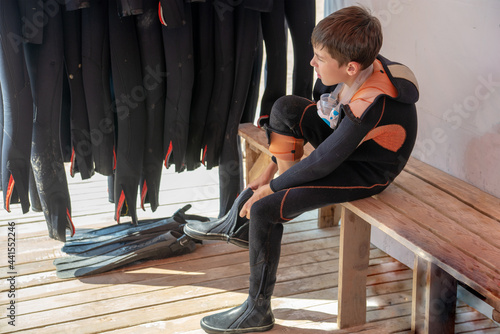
353, 68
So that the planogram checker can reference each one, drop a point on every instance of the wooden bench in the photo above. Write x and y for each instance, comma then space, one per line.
451, 229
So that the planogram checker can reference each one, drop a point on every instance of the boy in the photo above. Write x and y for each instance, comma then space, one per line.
354, 158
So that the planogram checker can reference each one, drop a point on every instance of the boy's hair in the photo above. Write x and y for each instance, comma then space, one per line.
349, 34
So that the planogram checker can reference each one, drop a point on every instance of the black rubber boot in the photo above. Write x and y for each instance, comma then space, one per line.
251, 316
231, 228
255, 314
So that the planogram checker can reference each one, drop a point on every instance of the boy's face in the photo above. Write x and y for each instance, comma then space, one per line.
327, 68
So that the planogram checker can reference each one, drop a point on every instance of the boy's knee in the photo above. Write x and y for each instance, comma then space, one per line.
286, 115
283, 113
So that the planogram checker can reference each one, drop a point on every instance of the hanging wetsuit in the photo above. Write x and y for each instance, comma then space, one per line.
153, 61
220, 101
299, 17
17, 109
176, 18
230, 169
203, 43
45, 63
130, 111
81, 148
96, 80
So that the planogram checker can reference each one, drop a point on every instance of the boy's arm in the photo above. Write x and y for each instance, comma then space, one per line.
331, 153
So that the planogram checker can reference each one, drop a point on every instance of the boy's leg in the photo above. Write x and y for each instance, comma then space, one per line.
348, 183
293, 122
255, 314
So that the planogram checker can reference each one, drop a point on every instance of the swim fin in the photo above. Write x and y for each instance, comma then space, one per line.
112, 247
231, 228
157, 246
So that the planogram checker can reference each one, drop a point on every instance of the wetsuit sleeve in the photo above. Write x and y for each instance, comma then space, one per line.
330, 153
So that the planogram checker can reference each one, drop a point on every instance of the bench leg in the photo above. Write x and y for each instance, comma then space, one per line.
353, 266
434, 299
329, 216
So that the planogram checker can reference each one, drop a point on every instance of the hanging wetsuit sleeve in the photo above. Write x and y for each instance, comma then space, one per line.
224, 76
230, 169
17, 109
176, 18
130, 111
153, 64
96, 80
81, 147
45, 63
204, 65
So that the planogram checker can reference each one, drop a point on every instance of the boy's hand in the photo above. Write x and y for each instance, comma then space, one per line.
265, 177
261, 192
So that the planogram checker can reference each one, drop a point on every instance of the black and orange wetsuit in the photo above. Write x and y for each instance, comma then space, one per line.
359, 158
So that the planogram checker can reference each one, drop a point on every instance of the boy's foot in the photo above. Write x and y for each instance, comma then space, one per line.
249, 317
231, 227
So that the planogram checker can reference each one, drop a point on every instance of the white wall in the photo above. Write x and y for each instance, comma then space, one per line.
453, 46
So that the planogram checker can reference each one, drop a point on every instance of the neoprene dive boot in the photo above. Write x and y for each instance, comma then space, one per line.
231, 228
255, 314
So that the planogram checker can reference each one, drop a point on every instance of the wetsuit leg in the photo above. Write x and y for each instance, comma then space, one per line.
153, 60
45, 64
274, 32
81, 148
96, 80
130, 110
230, 169
17, 109
178, 44
224, 45
301, 17
203, 36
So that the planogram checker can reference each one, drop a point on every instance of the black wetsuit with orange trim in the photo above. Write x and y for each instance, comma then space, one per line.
359, 158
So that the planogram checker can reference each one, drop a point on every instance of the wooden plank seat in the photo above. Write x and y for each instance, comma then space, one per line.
451, 227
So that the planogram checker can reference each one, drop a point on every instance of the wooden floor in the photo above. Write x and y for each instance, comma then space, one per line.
172, 295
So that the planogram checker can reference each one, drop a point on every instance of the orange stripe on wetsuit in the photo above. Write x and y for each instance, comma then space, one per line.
390, 136
378, 83
286, 148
